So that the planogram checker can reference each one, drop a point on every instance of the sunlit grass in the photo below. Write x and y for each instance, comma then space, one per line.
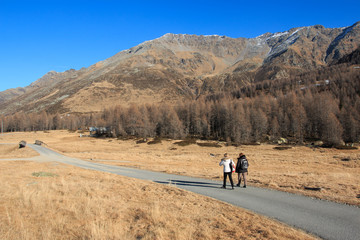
85, 204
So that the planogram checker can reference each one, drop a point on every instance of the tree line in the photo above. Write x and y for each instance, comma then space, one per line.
315, 106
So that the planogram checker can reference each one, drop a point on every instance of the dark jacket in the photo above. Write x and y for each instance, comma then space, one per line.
238, 168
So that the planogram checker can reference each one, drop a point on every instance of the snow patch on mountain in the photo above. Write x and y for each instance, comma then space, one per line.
284, 45
279, 34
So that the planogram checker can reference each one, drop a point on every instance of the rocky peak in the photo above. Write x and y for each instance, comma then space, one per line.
319, 27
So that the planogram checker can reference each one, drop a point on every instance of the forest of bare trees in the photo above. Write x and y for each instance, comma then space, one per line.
323, 105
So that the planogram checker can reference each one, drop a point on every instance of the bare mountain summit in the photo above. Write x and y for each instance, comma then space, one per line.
180, 66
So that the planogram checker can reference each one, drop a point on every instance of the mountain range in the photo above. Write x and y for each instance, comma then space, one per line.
177, 67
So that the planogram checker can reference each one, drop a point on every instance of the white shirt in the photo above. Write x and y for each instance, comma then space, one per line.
226, 163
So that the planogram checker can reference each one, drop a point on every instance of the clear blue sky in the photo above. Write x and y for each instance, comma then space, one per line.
39, 36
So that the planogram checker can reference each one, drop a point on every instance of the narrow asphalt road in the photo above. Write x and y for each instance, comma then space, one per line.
327, 220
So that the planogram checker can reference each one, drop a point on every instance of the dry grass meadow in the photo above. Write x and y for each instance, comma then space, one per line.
48, 200
13, 151
72, 203
336, 172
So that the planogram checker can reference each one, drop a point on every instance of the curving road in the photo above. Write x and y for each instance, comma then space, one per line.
327, 220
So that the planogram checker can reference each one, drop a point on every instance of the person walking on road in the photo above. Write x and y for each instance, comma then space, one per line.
242, 168
228, 164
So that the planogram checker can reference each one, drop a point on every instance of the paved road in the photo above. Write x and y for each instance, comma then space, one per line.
324, 219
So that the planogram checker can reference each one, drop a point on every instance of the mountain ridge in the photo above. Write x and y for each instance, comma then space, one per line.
175, 67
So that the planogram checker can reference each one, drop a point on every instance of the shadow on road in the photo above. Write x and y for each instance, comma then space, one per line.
190, 183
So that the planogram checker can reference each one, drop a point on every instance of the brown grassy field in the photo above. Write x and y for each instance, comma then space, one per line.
72, 203
336, 172
13, 151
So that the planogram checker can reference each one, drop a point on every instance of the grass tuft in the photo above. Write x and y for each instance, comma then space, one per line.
155, 141
209, 144
186, 142
143, 140
44, 174
346, 147
282, 148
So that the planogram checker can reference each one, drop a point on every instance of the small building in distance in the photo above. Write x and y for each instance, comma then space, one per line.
100, 132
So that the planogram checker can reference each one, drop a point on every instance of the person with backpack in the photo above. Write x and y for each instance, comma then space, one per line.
229, 165
242, 168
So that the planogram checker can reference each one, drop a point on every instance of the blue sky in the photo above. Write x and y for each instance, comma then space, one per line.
39, 36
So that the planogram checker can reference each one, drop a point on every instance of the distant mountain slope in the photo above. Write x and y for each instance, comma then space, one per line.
352, 58
180, 66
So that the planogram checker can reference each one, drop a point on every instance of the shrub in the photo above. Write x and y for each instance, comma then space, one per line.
186, 142
209, 145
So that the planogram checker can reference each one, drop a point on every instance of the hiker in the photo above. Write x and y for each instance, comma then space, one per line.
242, 168
228, 164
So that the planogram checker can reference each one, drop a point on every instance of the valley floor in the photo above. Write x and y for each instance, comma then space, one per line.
50, 200
335, 173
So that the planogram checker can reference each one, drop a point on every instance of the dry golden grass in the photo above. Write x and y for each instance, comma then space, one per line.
100, 94
84, 204
13, 151
288, 170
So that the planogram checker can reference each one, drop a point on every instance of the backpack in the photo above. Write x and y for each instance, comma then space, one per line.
244, 164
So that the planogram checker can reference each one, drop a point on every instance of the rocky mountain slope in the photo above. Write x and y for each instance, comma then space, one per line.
180, 66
